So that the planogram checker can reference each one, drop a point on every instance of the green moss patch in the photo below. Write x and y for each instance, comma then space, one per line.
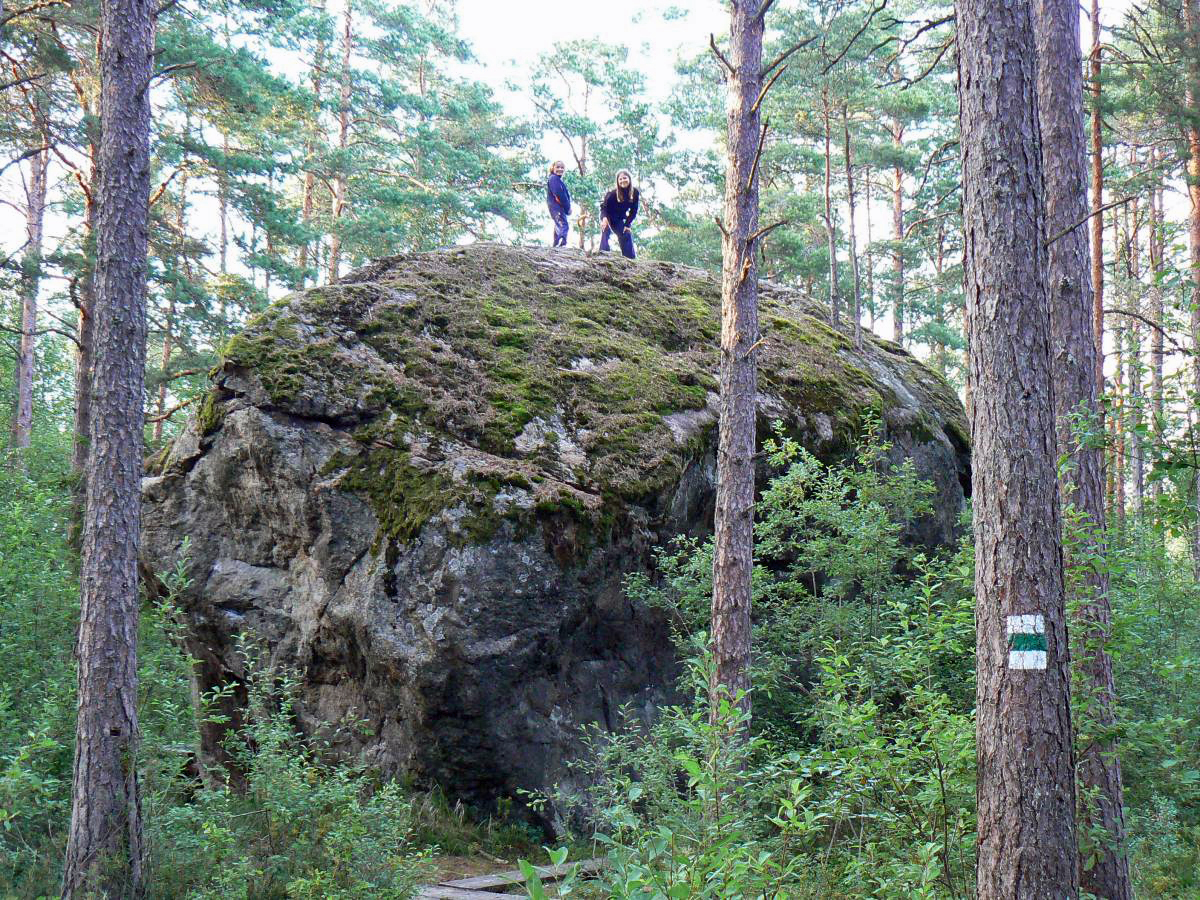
472, 346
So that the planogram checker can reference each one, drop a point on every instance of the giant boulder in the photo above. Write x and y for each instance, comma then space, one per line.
422, 488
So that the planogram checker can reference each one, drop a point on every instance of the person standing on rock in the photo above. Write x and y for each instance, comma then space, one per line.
617, 212
558, 199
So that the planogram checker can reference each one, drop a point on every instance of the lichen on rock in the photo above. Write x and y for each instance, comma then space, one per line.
423, 486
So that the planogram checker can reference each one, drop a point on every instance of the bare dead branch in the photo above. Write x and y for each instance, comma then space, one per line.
1094, 212
24, 156
779, 60
174, 409
875, 10
766, 87
763, 232
762, 140
27, 10
28, 79
57, 331
712, 42
1166, 334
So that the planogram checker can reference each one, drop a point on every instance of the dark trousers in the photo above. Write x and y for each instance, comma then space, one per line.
626, 240
561, 228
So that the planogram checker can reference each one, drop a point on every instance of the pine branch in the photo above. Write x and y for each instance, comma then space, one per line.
875, 10
779, 60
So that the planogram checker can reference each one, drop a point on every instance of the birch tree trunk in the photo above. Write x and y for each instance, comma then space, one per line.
734, 517
1073, 368
1026, 793
31, 265
104, 846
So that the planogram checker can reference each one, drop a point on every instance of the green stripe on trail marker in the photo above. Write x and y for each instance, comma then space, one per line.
1027, 642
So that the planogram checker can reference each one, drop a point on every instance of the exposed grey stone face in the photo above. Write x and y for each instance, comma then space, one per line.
474, 633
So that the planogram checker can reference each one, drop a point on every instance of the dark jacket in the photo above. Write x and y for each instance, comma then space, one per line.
558, 198
620, 215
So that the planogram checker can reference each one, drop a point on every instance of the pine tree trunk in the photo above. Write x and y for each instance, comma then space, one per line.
1073, 368
850, 225
104, 847
1026, 795
35, 214
1157, 249
830, 231
1118, 400
1134, 358
223, 210
939, 266
1119, 412
85, 351
734, 518
898, 311
317, 78
1097, 220
169, 324
870, 251
339, 192
1191, 22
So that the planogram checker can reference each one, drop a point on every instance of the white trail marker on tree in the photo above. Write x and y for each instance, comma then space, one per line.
1027, 641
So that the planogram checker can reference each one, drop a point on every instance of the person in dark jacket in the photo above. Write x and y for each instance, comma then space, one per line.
558, 199
617, 212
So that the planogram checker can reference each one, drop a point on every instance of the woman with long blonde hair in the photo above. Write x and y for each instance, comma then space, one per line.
558, 199
617, 212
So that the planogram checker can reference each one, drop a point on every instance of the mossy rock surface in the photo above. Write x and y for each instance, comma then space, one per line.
424, 488
588, 382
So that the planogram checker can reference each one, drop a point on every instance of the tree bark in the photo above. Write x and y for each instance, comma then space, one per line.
1026, 797
31, 265
734, 518
1076, 393
104, 847
339, 191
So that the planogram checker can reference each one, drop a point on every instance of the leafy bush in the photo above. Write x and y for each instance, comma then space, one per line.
299, 827
859, 775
